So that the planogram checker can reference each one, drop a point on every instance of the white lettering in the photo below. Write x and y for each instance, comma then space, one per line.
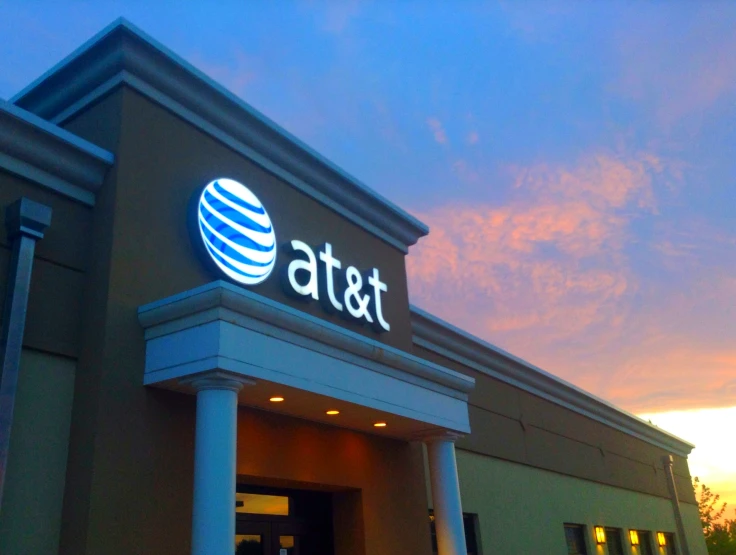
378, 288
331, 264
352, 293
309, 265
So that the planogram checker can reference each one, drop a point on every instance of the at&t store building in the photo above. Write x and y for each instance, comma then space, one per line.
208, 348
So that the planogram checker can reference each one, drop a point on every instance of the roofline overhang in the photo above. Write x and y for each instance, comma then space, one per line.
163, 316
121, 54
50, 156
443, 338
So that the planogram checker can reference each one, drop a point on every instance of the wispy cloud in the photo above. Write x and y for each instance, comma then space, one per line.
553, 251
437, 129
550, 276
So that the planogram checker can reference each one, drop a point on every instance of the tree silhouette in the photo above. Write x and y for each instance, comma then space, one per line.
720, 537
249, 547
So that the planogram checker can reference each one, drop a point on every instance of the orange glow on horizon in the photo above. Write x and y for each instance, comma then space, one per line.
332, 412
276, 399
380, 425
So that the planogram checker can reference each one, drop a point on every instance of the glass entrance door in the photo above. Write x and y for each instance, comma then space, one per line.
282, 522
266, 538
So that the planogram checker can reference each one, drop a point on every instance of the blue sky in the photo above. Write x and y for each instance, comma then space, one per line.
575, 161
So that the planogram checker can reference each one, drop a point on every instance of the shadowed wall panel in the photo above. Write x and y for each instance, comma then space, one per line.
552, 437
32, 503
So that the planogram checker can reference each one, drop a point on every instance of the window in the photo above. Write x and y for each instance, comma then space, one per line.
614, 541
470, 524
255, 503
645, 543
669, 547
575, 537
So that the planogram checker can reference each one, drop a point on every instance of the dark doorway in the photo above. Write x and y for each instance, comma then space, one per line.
283, 522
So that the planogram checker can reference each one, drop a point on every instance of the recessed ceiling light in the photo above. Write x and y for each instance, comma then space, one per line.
276, 399
380, 424
332, 412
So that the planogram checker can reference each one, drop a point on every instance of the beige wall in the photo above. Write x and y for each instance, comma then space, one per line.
523, 509
514, 425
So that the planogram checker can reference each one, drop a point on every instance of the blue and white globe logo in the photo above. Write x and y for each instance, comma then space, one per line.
237, 231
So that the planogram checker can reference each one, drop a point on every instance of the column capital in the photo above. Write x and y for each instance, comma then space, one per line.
432, 436
217, 379
27, 217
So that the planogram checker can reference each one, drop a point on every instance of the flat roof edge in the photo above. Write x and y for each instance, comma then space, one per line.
442, 337
53, 157
123, 49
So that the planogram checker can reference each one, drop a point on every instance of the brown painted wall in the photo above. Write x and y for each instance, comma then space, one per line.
512, 424
388, 473
57, 282
131, 450
163, 161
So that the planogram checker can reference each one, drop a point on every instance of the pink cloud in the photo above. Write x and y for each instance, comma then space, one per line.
472, 138
438, 131
548, 276
527, 260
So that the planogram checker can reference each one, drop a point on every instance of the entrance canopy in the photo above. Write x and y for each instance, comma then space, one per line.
314, 365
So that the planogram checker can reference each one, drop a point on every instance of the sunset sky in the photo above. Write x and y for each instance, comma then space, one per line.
575, 163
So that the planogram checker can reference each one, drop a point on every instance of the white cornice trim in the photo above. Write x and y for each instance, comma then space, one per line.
168, 315
445, 339
50, 156
123, 54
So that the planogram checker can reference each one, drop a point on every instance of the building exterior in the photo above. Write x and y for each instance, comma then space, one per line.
191, 264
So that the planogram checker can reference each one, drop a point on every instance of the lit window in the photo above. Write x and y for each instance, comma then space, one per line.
258, 504
645, 542
634, 537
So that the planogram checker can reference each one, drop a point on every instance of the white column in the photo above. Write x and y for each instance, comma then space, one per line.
448, 512
213, 515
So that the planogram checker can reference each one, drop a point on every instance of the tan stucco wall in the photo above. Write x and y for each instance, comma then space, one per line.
515, 425
523, 509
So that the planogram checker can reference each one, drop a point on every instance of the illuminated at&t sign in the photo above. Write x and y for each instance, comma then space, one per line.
236, 231
238, 235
